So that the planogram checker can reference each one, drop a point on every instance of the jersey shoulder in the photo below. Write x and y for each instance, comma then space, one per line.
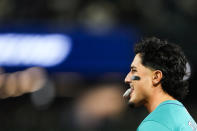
171, 115
152, 126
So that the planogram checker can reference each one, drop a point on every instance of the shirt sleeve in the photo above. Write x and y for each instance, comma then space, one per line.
152, 126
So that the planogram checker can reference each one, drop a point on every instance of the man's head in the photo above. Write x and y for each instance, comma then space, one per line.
159, 64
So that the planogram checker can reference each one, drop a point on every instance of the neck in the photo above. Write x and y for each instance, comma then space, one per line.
156, 98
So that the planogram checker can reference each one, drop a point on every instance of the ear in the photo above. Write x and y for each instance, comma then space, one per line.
157, 76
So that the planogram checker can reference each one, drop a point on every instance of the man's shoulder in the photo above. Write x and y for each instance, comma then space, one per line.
151, 125
168, 110
170, 115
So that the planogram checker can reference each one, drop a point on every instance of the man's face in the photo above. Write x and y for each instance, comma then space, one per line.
141, 89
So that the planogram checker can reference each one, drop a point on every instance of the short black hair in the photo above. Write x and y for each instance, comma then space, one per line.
170, 59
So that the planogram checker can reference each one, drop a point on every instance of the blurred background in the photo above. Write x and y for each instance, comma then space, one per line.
63, 62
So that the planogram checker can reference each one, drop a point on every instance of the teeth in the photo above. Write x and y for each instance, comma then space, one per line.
127, 93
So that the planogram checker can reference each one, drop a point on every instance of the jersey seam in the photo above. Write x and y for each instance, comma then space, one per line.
157, 122
172, 104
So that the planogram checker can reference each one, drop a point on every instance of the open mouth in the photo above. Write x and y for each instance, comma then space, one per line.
128, 93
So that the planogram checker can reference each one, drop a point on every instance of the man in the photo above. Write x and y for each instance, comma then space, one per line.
157, 81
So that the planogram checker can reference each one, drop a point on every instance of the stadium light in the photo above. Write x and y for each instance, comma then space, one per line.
34, 49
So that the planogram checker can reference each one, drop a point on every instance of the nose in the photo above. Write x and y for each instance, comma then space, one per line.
128, 78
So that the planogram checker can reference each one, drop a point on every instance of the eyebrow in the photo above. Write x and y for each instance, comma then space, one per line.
133, 67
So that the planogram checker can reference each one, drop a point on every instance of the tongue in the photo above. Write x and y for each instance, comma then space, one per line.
127, 93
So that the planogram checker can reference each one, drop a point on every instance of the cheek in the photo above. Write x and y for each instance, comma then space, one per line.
145, 85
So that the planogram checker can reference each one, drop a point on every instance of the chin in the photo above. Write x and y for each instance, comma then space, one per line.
133, 103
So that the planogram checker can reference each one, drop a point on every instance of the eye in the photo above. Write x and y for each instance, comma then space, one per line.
133, 70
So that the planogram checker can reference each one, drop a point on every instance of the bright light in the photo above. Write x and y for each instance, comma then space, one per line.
33, 49
188, 72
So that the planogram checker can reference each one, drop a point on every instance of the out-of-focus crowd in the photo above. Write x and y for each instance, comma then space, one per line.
21, 82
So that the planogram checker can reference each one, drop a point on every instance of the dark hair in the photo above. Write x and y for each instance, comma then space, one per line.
168, 58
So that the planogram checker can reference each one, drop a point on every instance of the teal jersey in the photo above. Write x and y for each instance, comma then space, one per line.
170, 115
